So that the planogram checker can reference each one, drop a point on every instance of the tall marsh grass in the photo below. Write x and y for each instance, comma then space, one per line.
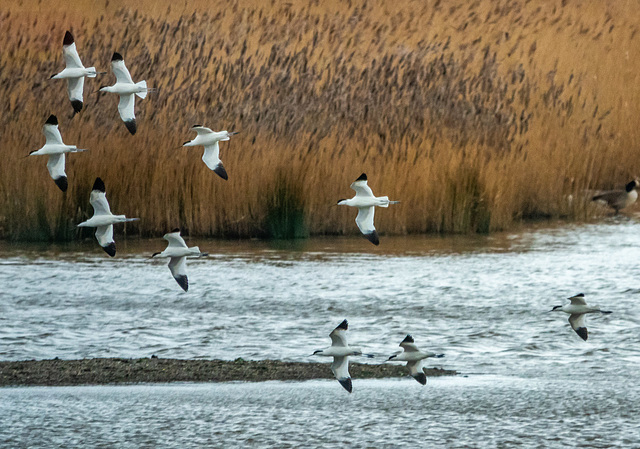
476, 115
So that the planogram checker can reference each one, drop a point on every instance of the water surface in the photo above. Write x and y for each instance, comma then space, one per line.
481, 300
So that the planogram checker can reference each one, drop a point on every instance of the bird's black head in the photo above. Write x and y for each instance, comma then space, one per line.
116, 57
68, 38
99, 185
363, 177
344, 325
52, 120
632, 185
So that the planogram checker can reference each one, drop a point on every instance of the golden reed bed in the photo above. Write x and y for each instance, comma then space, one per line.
475, 115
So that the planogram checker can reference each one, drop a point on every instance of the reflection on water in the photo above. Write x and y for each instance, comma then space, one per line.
481, 300
478, 412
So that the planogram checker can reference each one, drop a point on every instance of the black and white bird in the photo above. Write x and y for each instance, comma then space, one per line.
55, 149
414, 357
74, 72
365, 201
127, 89
340, 351
103, 220
209, 139
619, 199
178, 251
577, 310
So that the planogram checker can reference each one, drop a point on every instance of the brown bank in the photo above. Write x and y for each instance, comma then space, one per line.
115, 371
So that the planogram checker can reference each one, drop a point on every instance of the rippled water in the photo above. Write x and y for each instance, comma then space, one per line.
483, 301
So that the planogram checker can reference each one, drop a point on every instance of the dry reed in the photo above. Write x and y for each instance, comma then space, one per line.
476, 115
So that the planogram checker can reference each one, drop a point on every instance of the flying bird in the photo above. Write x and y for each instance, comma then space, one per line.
414, 357
340, 351
365, 201
209, 139
103, 220
177, 251
74, 72
577, 311
620, 199
55, 149
127, 89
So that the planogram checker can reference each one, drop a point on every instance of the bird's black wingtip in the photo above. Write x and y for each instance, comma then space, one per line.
220, 171
68, 38
62, 183
77, 106
110, 249
582, 332
373, 237
131, 126
408, 339
363, 177
117, 57
421, 378
344, 325
175, 230
182, 282
98, 184
52, 120
346, 383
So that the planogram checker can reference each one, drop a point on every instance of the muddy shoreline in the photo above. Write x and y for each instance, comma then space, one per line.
116, 371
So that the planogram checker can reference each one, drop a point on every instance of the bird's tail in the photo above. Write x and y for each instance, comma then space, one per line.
195, 250
384, 201
93, 72
142, 84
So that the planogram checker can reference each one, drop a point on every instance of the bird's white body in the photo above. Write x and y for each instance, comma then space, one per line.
414, 357
178, 251
366, 202
577, 310
103, 220
127, 90
340, 351
209, 139
74, 72
56, 149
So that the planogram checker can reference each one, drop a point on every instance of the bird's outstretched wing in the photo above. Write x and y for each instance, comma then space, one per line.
51, 131
126, 107
408, 344
55, 165
364, 220
104, 234
70, 53
340, 369
178, 267
361, 187
98, 198
201, 129
120, 70
175, 240
415, 369
75, 87
211, 158
578, 300
338, 335
579, 324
